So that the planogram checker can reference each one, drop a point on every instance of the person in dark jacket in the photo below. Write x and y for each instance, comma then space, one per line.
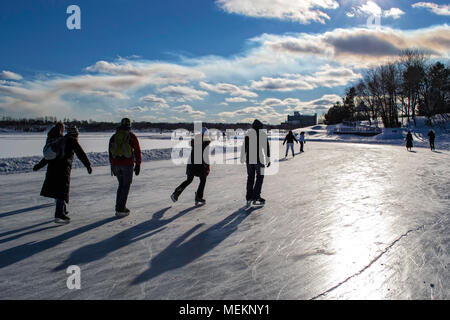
290, 138
57, 179
256, 154
198, 166
302, 141
124, 157
432, 137
409, 141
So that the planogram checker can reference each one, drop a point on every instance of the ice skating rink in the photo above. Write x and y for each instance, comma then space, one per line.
342, 221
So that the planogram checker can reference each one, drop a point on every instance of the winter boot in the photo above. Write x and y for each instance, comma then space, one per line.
62, 219
259, 202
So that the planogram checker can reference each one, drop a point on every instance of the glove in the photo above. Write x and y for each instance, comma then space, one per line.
36, 168
268, 165
112, 172
89, 170
137, 169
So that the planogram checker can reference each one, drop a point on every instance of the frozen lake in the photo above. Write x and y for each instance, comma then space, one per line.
345, 221
31, 144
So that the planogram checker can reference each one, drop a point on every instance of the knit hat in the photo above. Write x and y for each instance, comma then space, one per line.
73, 131
125, 122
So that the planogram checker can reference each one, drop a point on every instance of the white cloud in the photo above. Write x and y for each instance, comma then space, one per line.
190, 111
304, 11
395, 13
154, 100
370, 8
9, 75
236, 100
227, 88
326, 77
443, 10
182, 93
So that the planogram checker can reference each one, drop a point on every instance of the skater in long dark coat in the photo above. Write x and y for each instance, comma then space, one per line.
432, 137
57, 179
256, 154
409, 141
196, 167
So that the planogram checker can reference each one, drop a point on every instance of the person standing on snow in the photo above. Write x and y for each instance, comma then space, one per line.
409, 141
198, 166
57, 179
302, 141
124, 157
290, 138
255, 153
432, 137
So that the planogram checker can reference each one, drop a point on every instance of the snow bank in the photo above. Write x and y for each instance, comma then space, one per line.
97, 159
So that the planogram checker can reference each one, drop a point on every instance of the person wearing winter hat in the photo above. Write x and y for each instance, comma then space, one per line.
124, 157
256, 154
57, 179
198, 166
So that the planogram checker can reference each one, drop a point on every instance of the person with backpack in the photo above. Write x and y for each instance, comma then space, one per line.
124, 157
255, 153
409, 141
302, 141
290, 138
59, 167
432, 137
197, 166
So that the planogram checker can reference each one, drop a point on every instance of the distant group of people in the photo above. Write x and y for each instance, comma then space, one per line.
290, 138
125, 159
431, 138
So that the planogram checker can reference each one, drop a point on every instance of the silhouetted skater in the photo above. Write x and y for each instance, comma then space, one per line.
302, 141
290, 138
124, 154
409, 141
198, 166
432, 137
57, 179
255, 153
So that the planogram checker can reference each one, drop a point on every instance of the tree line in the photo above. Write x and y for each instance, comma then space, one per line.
41, 124
411, 86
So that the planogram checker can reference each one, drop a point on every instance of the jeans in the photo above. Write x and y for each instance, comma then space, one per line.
290, 145
189, 179
254, 188
124, 175
61, 208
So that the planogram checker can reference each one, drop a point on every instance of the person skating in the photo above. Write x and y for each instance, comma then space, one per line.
432, 137
197, 166
290, 138
124, 157
302, 141
409, 141
256, 154
57, 179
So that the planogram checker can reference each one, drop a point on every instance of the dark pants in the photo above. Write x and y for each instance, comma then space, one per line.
432, 144
124, 175
189, 179
254, 188
60, 208
301, 146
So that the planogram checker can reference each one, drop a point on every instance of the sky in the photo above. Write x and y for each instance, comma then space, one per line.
201, 60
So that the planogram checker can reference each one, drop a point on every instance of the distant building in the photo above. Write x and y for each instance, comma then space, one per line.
301, 120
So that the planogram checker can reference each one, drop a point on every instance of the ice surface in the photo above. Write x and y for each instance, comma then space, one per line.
347, 221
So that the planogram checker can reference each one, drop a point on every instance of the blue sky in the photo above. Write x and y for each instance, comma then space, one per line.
211, 60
